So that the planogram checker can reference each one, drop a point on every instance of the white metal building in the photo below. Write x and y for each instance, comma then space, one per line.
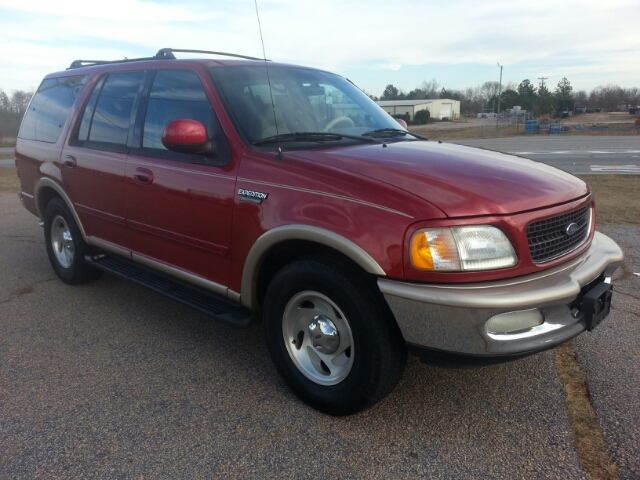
439, 108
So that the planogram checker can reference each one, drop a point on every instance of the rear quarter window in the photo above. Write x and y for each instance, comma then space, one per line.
50, 107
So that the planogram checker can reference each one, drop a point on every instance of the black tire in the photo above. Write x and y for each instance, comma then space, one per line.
65, 246
306, 304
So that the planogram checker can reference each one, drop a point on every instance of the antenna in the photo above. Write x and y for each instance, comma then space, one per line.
280, 156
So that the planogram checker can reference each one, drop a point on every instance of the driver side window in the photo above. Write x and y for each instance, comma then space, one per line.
175, 94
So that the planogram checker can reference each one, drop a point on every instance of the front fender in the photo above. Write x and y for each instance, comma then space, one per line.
248, 292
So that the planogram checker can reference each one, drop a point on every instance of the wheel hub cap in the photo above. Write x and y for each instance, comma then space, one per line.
62, 242
318, 337
324, 333
67, 241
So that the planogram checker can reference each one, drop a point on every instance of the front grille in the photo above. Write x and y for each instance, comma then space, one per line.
548, 238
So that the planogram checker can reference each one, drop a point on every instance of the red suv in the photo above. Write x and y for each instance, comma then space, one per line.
254, 190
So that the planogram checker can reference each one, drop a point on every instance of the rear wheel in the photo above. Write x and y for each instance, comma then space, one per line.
65, 246
331, 336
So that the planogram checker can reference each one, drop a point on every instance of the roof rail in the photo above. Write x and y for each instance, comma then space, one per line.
169, 51
163, 54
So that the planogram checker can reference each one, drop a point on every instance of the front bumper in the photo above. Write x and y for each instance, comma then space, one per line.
452, 318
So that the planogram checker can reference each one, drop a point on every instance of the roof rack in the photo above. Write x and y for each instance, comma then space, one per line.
163, 54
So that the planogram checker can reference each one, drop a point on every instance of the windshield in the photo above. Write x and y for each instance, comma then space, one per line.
323, 106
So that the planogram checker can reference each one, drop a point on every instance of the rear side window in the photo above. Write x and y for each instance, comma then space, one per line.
107, 116
50, 107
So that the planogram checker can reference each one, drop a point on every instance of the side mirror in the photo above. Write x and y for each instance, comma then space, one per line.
186, 135
402, 123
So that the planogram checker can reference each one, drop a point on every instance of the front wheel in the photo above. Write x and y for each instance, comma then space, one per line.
331, 337
65, 246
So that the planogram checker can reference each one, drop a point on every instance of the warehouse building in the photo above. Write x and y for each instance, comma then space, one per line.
439, 108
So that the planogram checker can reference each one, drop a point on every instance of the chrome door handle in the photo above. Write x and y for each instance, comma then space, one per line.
142, 176
70, 161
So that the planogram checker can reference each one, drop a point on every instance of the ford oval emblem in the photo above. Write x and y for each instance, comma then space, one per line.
571, 229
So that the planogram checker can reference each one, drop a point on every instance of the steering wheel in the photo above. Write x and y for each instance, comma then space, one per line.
336, 121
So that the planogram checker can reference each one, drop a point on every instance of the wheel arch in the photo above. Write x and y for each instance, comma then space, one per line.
281, 245
45, 190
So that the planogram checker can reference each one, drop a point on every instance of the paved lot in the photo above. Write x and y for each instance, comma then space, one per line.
610, 357
575, 154
110, 380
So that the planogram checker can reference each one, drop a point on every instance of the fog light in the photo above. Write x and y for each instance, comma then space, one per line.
514, 321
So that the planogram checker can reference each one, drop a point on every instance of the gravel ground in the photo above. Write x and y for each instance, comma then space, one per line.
110, 380
610, 358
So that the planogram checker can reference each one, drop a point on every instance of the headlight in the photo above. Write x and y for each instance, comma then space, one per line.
481, 247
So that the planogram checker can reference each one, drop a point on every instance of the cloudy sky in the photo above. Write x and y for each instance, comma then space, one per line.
456, 42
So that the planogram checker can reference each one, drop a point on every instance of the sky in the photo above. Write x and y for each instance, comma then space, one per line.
459, 43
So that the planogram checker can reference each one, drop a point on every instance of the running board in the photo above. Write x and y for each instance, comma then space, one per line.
217, 306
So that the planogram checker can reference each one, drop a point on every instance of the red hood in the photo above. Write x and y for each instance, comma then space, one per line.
461, 181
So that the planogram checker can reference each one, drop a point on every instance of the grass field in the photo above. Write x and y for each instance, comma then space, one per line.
438, 132
9, 181
616, 198
606, 123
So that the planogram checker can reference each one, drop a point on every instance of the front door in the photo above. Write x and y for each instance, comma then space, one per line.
180, 205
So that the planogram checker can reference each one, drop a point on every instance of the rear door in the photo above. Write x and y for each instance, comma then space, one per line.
180, 205
93, 163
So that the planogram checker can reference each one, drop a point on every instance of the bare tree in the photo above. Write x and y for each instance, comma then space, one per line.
489, 90
11, 111
607, 97
581, 98
20, 100
5, 103
633, 96
431, 88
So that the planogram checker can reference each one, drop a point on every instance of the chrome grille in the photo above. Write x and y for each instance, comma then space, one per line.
548, 238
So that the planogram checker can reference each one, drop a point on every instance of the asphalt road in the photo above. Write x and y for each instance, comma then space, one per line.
574, 154
7, 163
110, 380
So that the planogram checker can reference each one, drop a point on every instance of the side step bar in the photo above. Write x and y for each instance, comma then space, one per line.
217, 306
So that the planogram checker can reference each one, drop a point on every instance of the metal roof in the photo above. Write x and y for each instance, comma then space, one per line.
413, 103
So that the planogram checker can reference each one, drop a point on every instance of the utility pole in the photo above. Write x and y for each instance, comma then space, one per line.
542, 79
499, 94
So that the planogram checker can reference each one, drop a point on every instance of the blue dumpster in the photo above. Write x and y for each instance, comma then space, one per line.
531, 126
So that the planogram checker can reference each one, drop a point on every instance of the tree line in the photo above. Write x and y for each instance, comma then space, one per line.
539, 99
12, 109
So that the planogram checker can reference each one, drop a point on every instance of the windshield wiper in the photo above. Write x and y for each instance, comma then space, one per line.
392, 132
311, 137
388, 132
